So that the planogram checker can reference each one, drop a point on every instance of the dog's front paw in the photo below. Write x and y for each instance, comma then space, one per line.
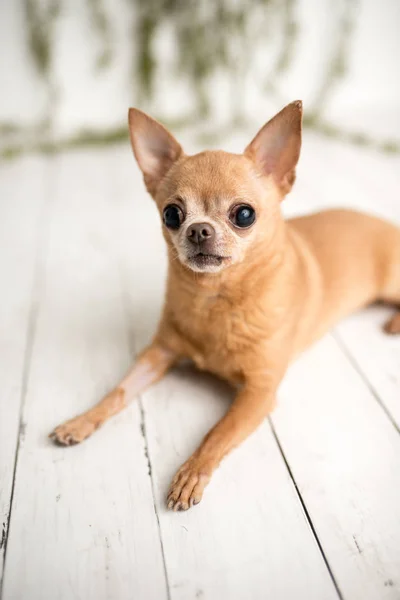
73, 431
188, 485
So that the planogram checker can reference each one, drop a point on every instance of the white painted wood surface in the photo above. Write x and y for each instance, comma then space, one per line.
90, 521
22, 205
253, 531
83, 523
344, 454
375, 355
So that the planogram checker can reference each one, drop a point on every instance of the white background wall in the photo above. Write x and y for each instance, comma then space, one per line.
366, 99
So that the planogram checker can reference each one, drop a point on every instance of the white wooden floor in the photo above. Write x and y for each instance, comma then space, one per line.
308, 508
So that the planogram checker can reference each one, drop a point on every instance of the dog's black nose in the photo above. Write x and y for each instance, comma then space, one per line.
200, 232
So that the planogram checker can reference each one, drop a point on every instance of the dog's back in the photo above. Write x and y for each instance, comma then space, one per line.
358, 258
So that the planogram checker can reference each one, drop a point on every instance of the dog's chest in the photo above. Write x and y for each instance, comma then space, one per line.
217, 335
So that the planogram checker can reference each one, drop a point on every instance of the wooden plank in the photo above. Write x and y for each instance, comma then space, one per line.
375, 354
345, 456
83, 523
249, 531
87, 526
19, 240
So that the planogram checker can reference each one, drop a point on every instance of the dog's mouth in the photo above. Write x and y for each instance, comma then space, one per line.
201, 260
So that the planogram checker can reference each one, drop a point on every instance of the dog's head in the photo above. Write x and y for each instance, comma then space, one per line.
217, 207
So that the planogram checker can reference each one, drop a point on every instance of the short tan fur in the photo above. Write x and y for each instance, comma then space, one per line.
243, 301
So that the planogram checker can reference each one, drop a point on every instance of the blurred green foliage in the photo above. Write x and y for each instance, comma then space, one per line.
210, 35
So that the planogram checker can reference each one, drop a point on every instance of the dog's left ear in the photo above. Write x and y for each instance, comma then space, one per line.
154, 147
276, 148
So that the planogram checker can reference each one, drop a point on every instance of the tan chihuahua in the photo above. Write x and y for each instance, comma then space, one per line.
246, 291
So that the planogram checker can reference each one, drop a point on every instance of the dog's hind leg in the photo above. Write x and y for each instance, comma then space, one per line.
392, 326
392, 296
391, 283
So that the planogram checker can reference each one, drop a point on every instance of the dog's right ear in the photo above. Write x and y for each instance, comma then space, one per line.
155, 149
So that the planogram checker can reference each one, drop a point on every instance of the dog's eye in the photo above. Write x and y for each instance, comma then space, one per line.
173, 216
243, 216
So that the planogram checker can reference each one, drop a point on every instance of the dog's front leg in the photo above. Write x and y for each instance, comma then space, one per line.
253, 403
150, 366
